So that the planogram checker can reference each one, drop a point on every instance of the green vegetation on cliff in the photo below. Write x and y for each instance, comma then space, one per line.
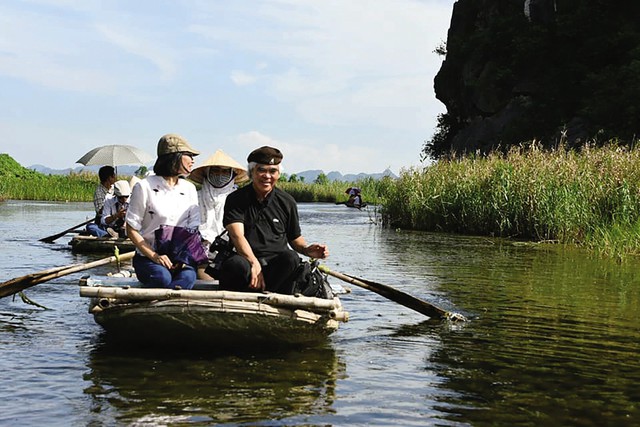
20, 183
9, 168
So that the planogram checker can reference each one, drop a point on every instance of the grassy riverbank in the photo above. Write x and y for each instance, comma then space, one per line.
590, 198
20, 183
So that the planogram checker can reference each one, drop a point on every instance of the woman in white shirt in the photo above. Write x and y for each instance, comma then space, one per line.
164, 199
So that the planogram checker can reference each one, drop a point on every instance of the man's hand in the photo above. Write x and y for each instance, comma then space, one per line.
257, 279
122, 212
316, 250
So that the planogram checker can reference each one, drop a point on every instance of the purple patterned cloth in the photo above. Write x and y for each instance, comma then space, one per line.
181, 245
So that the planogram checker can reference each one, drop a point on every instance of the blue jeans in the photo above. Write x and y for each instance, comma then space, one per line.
96, 230
158, 276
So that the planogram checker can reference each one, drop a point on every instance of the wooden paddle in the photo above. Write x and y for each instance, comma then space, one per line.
18, 284
50, 239
398, 296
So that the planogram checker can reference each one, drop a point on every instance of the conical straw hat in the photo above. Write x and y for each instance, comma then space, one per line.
219, 158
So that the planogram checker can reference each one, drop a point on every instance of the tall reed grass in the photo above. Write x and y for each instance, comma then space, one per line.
69, 188
334, 191
80, 187
590, 197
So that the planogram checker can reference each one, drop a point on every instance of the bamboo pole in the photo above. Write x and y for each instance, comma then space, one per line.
18, 284
151, 294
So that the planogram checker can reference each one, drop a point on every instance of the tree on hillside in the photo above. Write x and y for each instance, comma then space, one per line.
295, 178
321, 179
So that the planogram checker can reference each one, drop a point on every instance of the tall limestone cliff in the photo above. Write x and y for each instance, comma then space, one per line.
518, 70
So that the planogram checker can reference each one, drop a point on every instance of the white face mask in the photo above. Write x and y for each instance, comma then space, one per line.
218, 178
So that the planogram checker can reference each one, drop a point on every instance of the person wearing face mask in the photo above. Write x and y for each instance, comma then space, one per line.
164, 199
218, 176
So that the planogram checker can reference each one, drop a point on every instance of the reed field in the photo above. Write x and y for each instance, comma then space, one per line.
589, 197
64, 188
19, 183
334, 191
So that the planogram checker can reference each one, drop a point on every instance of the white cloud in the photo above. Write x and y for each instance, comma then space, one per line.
308, 154
325, 81
348, 61
241, 78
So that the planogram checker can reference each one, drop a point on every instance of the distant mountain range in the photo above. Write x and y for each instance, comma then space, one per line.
122, 170
309, 176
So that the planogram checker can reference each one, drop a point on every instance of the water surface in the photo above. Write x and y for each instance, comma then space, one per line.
553, 339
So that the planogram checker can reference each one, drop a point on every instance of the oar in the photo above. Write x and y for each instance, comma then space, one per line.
18, 284
38, 274
50, 239
395, 295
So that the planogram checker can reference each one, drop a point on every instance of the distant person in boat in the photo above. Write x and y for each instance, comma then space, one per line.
163, 200
104, 191
115, 209
219, 175
355, 198
263, 225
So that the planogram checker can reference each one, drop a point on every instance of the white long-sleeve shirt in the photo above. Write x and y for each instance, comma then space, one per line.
154, 203
211, 201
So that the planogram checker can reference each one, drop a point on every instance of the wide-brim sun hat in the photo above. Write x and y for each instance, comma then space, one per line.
174, 143
222, 159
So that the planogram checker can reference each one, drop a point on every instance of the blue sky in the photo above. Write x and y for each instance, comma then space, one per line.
344, 85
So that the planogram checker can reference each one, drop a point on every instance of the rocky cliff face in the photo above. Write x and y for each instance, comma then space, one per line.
517, 70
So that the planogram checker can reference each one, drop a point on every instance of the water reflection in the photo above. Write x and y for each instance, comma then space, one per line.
553, 340
222, 387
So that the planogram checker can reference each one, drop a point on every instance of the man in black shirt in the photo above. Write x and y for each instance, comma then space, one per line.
263, 224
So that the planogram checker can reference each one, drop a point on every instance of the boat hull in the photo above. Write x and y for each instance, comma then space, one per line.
92, 244
212, 318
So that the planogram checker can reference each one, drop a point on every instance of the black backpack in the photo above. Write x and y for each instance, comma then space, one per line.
223, 248
310, 281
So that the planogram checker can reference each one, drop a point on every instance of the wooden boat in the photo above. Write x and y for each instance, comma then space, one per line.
355, 205
206, 316
92, 244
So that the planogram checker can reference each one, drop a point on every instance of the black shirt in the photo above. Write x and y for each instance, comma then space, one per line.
269, 225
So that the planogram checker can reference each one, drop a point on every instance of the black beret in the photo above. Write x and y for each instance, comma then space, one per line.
265, 156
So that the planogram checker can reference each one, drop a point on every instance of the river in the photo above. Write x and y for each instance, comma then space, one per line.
553, 339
